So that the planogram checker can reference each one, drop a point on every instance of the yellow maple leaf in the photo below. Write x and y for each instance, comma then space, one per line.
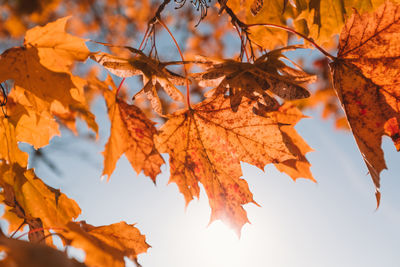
322, 19
9, 151
33, 124
44, 62
57, 49
270, 11
206, 145
23, 66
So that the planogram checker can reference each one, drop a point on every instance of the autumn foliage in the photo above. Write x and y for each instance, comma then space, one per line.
247, 105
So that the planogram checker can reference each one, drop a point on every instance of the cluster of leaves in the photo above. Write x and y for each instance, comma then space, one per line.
247, 116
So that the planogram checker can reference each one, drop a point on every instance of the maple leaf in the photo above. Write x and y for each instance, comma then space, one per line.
207, 143
23, 66
252, 80
22, 253
321, 19
107, 245
267, 11
31, 198
131, 134
289, 115
44, 62
11, 217
325, 95
9, 151
366, 77
155, 74
57, 49
32, 125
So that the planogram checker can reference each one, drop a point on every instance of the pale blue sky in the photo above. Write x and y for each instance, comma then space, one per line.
331, 223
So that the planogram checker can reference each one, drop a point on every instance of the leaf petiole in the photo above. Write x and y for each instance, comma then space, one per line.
183, 60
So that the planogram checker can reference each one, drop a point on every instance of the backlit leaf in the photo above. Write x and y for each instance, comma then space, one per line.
9, 151
325, 18
57, 49
18, 253
35, 198
131, 134
206, 145
366, 76
107, 245
270, 11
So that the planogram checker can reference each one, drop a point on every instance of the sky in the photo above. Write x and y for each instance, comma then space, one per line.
329, 223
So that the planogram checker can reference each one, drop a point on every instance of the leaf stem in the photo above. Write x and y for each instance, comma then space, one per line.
243, 45
19, 227
270, 25
183, 60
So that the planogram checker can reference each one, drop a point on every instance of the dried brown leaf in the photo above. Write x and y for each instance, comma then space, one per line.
252, 80
154, 74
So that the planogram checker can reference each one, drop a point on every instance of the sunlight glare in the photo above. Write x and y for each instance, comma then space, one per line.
220, 245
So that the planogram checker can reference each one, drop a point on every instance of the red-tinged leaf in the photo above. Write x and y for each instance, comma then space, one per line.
206, 145
131, 134
366, 77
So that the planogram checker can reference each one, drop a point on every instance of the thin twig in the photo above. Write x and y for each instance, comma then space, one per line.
150, 28
160, 9
236, 22
183, 60
19, 227
138, 51
311, 41
245, 27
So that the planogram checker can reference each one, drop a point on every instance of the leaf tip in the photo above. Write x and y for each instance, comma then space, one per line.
378, 198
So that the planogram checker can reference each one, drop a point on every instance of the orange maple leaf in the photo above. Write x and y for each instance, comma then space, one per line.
366, 78
35, 198
207, 143
131, 134
107, 245
44, 62
33, 125
57, 49
9, 151
20, 253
